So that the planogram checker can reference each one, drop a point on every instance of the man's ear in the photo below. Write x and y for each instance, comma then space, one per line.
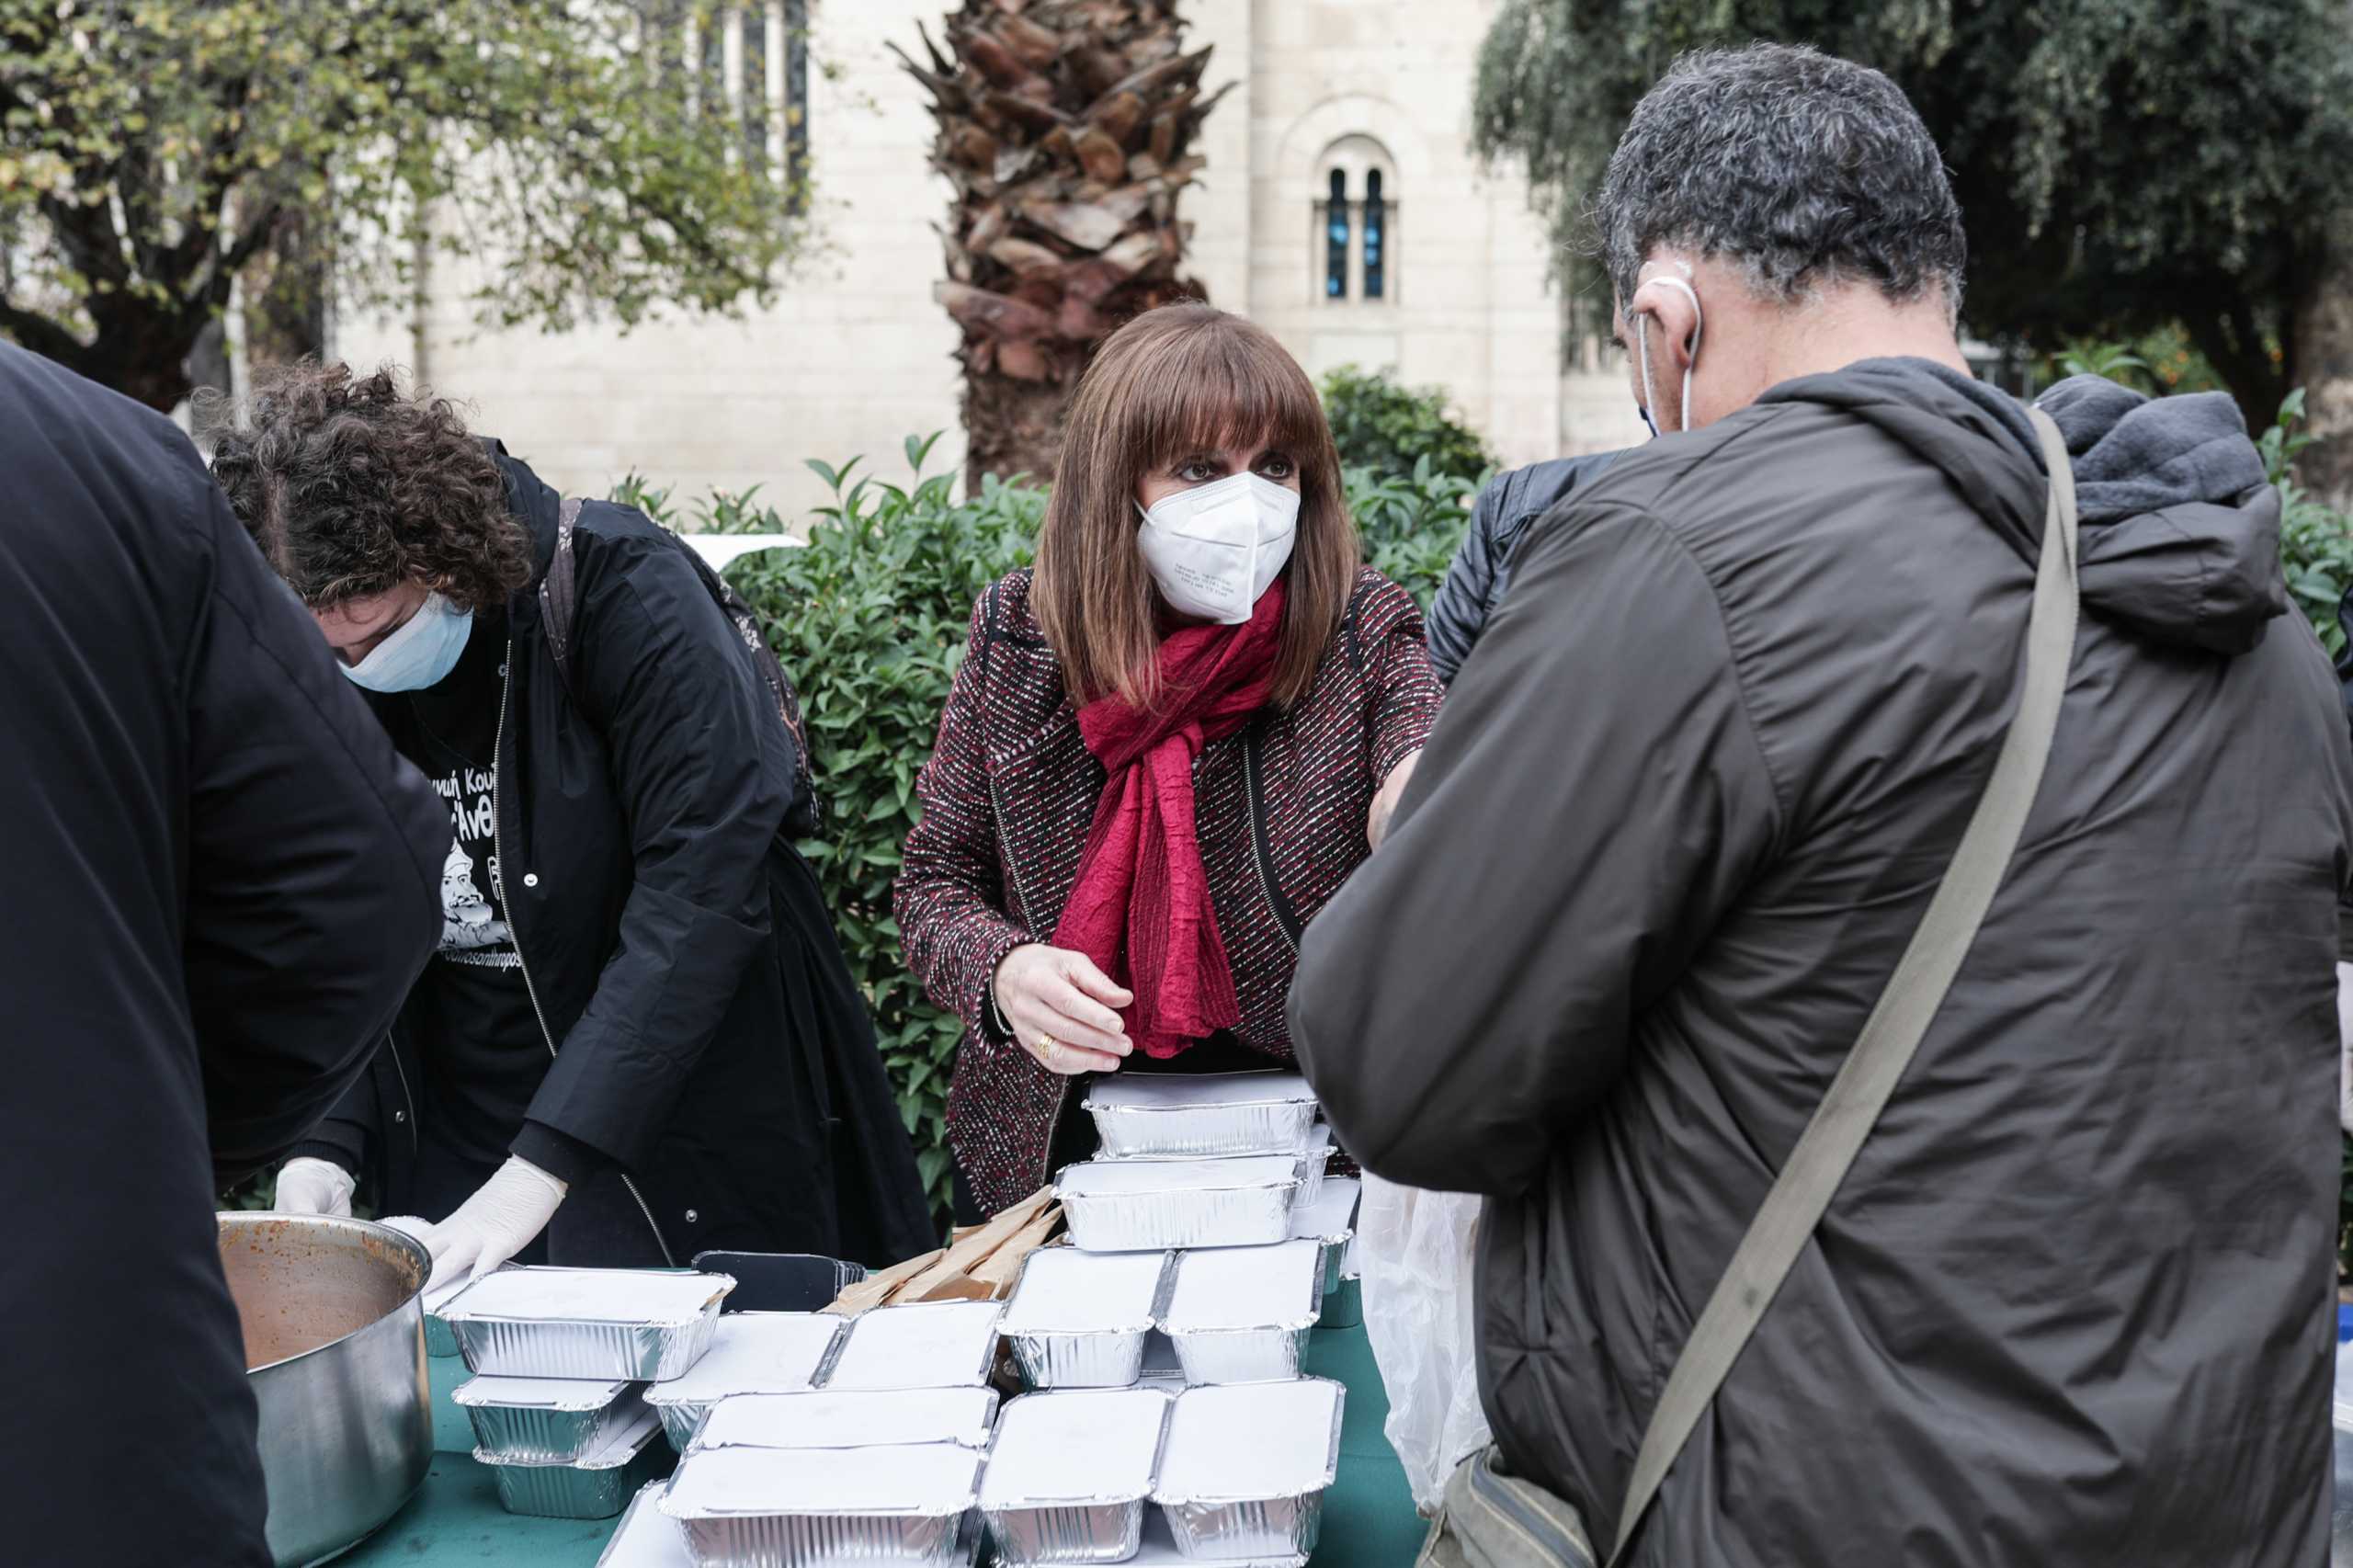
1674, 310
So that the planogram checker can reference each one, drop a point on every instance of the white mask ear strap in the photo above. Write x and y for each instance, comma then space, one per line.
1691, 349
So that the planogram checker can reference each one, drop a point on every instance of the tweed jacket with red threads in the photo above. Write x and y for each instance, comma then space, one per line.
1010, 791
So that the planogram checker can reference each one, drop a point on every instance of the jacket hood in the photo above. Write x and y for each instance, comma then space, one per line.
2179, 531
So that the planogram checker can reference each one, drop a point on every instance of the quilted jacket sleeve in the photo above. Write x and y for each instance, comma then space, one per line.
951, 898
1463, 599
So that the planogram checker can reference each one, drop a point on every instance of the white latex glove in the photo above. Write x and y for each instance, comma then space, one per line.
2345, 1046
495, 1223
312, 1187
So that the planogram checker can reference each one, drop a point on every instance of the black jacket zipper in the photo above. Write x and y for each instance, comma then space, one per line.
514, 927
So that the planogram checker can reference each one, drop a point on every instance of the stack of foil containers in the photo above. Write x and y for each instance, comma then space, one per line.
1168, 1419
1171, 1420
563, 1361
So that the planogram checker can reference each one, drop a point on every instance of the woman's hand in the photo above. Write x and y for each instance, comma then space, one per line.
1060, 1007
1385, 804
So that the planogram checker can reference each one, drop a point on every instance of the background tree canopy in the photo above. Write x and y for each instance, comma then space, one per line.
150, 149
2123, 165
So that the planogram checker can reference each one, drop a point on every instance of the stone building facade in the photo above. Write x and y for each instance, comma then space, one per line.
1341, 208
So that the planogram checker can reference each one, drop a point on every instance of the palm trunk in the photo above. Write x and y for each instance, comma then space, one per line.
1064, 126
2322, 339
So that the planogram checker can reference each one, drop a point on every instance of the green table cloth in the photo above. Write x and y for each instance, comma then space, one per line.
1369, 1519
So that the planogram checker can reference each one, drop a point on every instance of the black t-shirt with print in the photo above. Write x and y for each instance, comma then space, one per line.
484, 1054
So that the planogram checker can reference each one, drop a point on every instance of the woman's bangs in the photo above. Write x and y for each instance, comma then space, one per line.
1221, 390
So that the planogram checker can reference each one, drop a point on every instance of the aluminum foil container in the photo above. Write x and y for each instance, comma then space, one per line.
1078, 1320
546, 1420
1243, 1315
889, 1418
1313, 1161
596, 1487
636, 1324
927, 1345
819, 1507
1200, 1115
1159, 1551
1331, 1219
647, 1539
1070, 1472
1247, 1465
750, 1353
1157, 1205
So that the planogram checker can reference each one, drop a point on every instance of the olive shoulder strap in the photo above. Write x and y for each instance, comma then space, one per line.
1893, 1032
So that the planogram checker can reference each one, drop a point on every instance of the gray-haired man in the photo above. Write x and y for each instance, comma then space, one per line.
1685, 806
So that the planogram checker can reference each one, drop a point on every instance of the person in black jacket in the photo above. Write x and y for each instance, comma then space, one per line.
638, 1035
216, 885
1480, 572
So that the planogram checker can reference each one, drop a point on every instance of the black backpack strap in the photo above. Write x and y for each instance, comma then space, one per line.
558, 597
559, 591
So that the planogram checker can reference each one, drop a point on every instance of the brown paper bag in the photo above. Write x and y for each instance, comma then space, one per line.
936, 1283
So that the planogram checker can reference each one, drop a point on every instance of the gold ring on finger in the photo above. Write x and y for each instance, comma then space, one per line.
1046, 1047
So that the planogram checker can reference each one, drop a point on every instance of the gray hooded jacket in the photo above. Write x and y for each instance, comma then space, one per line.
1686, 804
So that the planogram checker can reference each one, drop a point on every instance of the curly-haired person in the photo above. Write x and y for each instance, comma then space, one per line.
638, 1039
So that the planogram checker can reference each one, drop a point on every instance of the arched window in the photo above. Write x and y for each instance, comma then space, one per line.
1356, 217
1335, 239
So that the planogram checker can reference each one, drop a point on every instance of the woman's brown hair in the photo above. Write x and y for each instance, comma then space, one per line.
1177, 380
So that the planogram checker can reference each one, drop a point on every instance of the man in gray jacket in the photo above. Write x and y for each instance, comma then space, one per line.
2072, 1302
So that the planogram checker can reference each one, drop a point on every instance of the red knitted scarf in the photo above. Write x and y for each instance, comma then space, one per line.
1140, 909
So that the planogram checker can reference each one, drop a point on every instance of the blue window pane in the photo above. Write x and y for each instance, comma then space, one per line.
1376, 232
1336, 240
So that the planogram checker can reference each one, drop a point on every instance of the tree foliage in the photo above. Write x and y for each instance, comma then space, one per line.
150, 149
2121, 164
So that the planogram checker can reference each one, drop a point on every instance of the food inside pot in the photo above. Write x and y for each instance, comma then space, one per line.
296, 1291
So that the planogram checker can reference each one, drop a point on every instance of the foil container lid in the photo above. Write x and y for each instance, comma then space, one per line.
755, 1353
927, 1345
1333, 1216
1081, 1449
1192, 1091
629, 1296
924, 1480
889, 1418
1065, 1290
1241, 1442
644, 1539
1261, 1287
1142, 1178
537, 1393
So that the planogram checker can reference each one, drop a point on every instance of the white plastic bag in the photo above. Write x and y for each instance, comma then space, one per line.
1415, 1250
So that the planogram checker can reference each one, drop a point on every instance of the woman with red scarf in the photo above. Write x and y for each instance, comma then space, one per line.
1168, 746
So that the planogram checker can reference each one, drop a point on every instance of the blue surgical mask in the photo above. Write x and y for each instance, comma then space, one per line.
421, 653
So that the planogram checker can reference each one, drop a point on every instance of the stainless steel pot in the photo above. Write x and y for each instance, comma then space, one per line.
335, 1345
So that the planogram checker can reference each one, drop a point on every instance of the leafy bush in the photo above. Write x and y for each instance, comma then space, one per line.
2315, 540
1412, 524
1392, 429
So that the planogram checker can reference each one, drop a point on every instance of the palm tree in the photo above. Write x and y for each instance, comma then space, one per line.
1064, 126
